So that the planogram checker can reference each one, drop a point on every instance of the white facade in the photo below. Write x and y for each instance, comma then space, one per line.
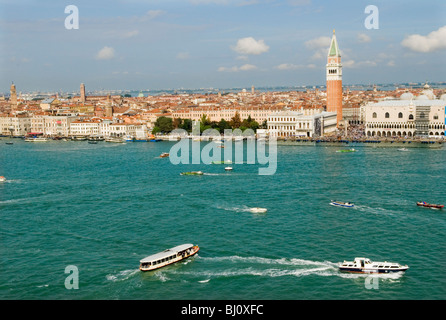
298, 124
15, 125
405, 118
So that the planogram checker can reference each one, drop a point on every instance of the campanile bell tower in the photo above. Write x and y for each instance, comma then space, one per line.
334, 79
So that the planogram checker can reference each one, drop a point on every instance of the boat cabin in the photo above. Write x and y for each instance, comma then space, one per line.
167, 257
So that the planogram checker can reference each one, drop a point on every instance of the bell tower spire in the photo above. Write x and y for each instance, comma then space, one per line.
334, 79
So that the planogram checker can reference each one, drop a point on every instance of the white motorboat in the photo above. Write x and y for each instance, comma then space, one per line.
228, 169
39, 139
258, 210
2, 179
364, 265
342, 204
166, 257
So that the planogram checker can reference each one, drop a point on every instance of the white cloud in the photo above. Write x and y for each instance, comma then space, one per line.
354, 64
436, 40
362, 37
151, 14
183, 56
288, 66
105, 53
291, 66
320, 45
317, 43
250, 45
245, 67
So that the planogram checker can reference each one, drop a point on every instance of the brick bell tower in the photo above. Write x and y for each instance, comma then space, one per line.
334, 79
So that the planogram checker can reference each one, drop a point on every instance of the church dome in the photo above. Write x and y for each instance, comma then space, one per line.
406, 96
422, 97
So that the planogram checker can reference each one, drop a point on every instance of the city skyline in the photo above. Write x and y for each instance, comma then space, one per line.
216, 43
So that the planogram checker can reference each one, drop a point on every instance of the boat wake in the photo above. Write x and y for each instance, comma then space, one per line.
121, 275
236, 266
238, 208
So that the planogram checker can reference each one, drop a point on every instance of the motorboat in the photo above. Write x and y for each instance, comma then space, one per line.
192, 173
430, 205
9, 142
166, 257
114, 139
258, 210
222, 162
164, 155
2, 179
347, 150
228, 169
37, 139
342, 204
364, 265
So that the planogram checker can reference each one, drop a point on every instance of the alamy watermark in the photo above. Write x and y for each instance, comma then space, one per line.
72, 20
72, 281
372, 20
188, 149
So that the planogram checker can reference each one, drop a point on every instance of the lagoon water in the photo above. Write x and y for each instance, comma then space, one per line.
101, 208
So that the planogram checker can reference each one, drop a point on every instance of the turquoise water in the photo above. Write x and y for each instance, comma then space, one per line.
103, 207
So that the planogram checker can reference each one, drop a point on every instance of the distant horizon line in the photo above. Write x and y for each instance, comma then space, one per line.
248, 89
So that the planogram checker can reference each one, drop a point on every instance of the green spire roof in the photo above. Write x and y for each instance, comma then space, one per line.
334, 50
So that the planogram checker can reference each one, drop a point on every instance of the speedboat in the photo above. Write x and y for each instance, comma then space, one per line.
192, 173
258, 210
166, 257
2, 179
364, 265
429, 205
347, 150
164, 155
342, 204
228, 169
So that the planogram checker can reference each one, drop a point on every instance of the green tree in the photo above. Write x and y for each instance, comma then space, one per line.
222, 125
186, 125
236, 121
164, 123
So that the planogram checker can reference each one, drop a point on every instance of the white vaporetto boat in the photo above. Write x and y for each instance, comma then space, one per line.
364, 265
39, 139
167, 257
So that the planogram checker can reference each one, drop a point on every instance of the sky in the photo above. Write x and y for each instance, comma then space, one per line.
173, 44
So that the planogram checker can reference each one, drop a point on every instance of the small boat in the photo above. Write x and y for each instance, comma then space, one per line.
347, 150
222, 162
9, 142
164, 155
114, 139
403, 149
258, 210
364, 265
429, 205
342, 204
166, 257
40, 139
2, 179
192, 173
228, 169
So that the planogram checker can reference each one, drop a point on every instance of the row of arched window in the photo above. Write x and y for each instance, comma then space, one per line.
400, 115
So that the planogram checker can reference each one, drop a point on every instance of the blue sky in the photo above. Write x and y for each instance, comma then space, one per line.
141, 45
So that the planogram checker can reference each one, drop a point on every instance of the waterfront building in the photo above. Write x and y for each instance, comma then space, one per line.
304, 123
334, 79
15, 124
406, 118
